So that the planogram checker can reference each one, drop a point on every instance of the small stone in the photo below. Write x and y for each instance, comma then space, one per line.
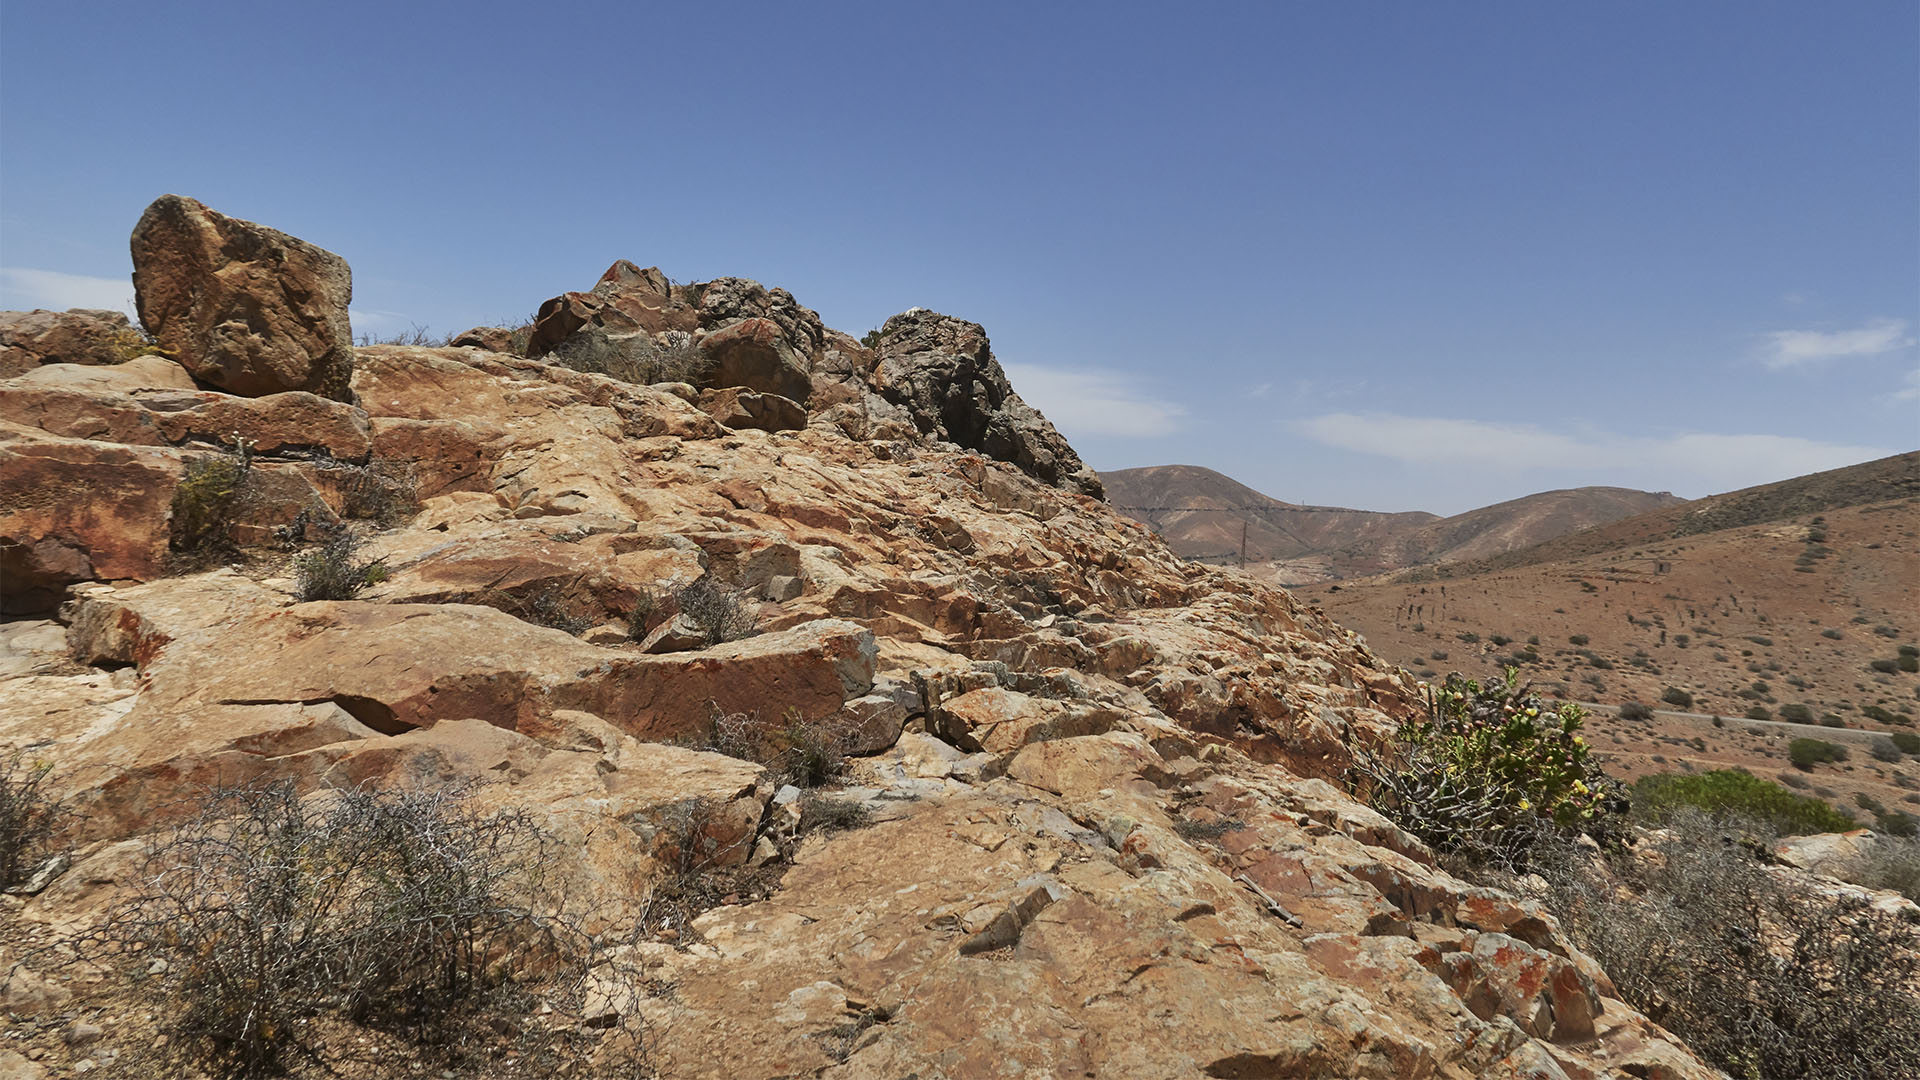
82, 1033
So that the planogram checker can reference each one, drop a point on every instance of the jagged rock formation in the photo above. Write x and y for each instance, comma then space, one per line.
80, 336
246, 308
1103, 843
942, 370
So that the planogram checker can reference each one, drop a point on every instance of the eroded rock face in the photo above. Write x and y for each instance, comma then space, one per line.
942, 370
80, 336
245, 308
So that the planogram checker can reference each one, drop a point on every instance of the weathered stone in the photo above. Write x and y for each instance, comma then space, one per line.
74, 511
741, 409
244, 307
943, 371
29, 339
755, 354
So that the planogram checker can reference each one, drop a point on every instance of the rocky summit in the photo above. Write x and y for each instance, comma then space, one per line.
596, 566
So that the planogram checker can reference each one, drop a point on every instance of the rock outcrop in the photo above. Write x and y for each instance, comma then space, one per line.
247, 309
942, 370
1100, 839
80, 336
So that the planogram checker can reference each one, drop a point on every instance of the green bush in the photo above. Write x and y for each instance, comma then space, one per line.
1884, 667
1579, 639
1725, 792
1634, 710
1806, 753
1487, 773
1677, 697
1799, 714
1759, 712
1906, 741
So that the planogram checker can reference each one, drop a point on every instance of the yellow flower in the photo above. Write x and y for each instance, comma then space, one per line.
1525, 805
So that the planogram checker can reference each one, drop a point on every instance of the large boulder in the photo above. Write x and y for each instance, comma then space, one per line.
80, 336
756, 353
246, 308
942, 371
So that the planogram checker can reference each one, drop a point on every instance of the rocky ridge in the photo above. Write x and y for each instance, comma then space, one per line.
1103, 843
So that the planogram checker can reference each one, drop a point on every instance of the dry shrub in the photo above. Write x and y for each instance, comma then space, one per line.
804, 753
266, 919
28, 816
384, 491
1758, 972
200, 526
331, 571
721, 613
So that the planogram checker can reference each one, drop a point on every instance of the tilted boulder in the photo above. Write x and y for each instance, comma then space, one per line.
246, 308
942, 370
80, 336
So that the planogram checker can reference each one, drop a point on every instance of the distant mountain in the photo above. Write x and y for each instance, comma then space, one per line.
1502, 527
1876, 481
1202, 515
1793, 601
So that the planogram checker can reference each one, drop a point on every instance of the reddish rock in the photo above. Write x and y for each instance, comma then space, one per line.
244, 307
29, 339
491, 338
755, 354
74, 511
741, 409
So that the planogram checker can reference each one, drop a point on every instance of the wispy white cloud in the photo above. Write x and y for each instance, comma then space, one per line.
1792, 348
377, 321
1093, 402
1909, 387
1261, 390
1711, 461
23, 287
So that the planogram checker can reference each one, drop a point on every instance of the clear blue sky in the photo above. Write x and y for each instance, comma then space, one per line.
1389, 255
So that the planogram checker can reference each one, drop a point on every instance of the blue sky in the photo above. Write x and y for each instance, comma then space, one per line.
1386, 255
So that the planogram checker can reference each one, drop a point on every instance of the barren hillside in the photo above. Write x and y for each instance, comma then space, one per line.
1206, 516
1804, 617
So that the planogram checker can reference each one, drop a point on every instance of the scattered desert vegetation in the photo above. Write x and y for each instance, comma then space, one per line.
276, 927
1768, 976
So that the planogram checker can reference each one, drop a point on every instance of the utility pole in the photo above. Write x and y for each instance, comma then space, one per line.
1243, 543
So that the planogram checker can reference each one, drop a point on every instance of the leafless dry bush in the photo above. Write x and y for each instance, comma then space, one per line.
721, 613
801, 752
267, 920
416, 334
1766, 978
384, 490
28, 816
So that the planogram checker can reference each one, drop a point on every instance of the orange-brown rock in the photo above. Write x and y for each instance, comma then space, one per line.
79, 336
246, 308
1100, 840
